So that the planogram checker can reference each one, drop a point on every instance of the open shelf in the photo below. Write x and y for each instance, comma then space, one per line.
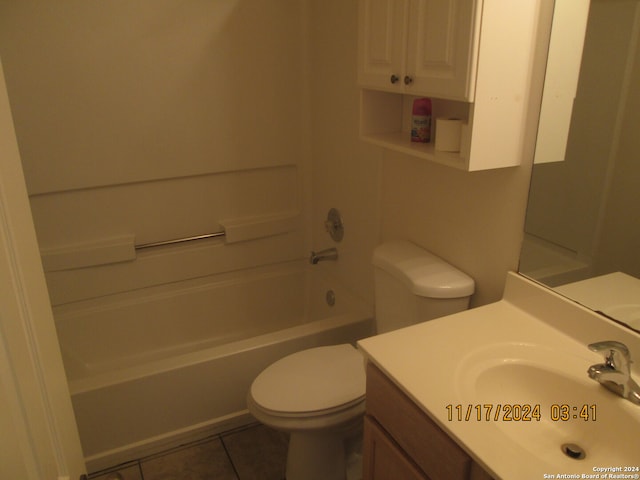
386, 122
401, 142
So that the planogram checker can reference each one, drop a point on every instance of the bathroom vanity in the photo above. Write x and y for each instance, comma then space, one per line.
401, 441
499, 391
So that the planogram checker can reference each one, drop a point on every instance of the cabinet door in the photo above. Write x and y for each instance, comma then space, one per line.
382, 41
428, 446
440, 48
383, 460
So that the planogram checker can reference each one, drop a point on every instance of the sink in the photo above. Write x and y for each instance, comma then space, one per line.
548, 404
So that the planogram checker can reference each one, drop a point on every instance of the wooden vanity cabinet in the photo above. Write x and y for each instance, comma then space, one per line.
402, 442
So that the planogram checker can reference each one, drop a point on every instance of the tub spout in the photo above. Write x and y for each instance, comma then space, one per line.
322, 255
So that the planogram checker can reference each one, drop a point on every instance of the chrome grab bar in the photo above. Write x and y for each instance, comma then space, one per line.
180, 240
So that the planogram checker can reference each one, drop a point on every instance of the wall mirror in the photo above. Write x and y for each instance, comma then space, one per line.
582, 229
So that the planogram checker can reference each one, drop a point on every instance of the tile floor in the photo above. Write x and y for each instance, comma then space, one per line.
252, 453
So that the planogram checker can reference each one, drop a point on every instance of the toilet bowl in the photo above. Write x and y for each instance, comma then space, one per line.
318, 395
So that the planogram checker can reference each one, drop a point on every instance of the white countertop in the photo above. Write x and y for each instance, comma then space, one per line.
434, 362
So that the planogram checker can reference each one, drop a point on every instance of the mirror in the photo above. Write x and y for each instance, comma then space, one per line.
582, 229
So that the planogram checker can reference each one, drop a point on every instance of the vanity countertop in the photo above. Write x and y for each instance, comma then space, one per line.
451, 368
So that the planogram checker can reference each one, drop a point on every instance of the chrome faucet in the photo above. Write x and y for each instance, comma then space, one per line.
322, 255
615, 372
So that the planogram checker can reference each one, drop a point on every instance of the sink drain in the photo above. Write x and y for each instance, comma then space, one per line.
574, 451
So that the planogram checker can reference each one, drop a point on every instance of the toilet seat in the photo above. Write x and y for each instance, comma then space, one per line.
315, 382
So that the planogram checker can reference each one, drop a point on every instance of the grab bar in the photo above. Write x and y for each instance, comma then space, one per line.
123, 248
180, 240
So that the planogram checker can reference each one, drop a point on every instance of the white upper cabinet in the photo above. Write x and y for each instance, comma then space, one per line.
382, 38
418, 47
480, 61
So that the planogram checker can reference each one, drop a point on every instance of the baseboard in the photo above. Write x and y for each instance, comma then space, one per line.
166, 441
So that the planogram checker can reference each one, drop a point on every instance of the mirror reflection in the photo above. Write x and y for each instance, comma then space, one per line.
582, 232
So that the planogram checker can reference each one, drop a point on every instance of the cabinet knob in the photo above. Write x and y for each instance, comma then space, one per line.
408, 80
394, 79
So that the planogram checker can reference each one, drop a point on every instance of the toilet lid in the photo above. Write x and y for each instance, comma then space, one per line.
311, 380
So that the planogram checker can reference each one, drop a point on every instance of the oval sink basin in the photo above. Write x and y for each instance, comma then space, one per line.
543, 399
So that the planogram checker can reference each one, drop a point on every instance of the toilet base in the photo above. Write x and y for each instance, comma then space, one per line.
325, 456
314, 456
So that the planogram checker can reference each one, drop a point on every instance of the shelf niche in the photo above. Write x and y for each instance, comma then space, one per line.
386, 122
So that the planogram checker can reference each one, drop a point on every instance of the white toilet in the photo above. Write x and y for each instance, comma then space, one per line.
318, 395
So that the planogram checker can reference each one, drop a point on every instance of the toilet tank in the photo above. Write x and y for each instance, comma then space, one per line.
413, 285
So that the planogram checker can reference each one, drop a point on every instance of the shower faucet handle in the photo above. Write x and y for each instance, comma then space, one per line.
334, 226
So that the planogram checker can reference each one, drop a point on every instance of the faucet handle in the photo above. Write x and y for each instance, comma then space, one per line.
618, 353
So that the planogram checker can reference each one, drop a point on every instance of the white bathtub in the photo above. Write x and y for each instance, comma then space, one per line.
154, 368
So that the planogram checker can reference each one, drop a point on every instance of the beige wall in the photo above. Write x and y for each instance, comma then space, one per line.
472, 220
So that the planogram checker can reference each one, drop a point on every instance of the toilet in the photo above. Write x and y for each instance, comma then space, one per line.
318, 395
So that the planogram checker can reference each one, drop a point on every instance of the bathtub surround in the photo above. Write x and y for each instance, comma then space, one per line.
153, 90
152, 124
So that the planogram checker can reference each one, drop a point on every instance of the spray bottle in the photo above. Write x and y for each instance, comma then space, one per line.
421, 120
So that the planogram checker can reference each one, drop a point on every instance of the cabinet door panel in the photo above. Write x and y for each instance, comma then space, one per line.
382, 40
423, 441
383, 460
440, 48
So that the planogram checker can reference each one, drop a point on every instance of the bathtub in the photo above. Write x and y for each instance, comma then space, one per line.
158, 367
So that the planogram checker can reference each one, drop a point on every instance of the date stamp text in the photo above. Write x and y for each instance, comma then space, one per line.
520, 412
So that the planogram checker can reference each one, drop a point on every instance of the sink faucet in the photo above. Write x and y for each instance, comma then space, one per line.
615, 372
322, 255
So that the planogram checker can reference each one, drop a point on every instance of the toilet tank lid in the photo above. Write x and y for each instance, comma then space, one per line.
422, 272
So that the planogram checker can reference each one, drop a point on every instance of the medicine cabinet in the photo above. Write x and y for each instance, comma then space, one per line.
473, 58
